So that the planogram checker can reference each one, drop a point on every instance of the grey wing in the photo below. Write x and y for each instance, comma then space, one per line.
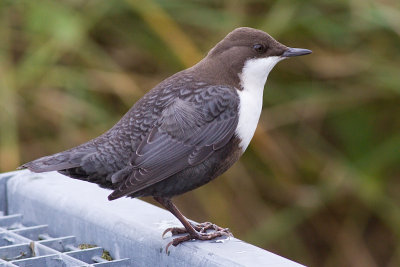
187, 133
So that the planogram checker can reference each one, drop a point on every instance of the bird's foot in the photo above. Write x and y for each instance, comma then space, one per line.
200, 233
199, 227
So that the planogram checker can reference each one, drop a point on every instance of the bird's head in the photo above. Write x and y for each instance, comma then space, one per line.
251, 54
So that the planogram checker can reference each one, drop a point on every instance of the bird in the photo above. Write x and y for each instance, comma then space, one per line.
183, 133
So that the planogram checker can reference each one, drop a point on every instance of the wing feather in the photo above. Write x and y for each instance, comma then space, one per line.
188, 132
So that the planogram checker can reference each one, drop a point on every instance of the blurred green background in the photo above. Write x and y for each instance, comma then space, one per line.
320, 182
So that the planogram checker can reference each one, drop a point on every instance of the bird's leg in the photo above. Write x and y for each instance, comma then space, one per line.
194, 231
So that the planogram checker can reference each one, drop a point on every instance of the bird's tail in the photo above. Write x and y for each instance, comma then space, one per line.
60, 161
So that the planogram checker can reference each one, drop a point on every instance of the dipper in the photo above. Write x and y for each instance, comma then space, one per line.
185, 132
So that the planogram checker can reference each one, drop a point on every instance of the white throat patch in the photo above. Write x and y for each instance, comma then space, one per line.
253, 77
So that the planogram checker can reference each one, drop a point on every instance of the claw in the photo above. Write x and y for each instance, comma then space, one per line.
177, 241
174, 231
166, 231
166, 248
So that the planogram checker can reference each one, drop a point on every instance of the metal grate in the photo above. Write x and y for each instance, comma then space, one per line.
32, 246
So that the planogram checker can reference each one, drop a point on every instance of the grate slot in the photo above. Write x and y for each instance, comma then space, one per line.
8, 239
40, 250
32, 232
11, 222
15, 252
87, 255
60, 244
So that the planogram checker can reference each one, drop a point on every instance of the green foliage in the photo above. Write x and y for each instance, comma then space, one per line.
320, 181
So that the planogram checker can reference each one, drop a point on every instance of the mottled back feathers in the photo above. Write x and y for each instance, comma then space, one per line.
176, 125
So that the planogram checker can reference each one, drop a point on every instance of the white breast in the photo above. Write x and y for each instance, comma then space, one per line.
253, 77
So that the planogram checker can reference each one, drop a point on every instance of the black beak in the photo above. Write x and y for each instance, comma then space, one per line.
294, 52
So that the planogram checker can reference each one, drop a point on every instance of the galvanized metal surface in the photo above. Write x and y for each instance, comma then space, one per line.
32, 246
128, 228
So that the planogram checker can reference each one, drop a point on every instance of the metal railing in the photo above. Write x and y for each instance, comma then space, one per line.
59, 213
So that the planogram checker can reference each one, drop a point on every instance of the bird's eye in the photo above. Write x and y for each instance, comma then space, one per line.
259, 48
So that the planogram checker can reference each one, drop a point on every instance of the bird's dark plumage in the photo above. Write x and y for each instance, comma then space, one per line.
173, 127
186, 131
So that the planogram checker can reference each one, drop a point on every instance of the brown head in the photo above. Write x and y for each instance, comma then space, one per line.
229, 57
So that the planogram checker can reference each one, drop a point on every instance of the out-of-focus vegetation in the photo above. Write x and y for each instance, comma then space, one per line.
320, 183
